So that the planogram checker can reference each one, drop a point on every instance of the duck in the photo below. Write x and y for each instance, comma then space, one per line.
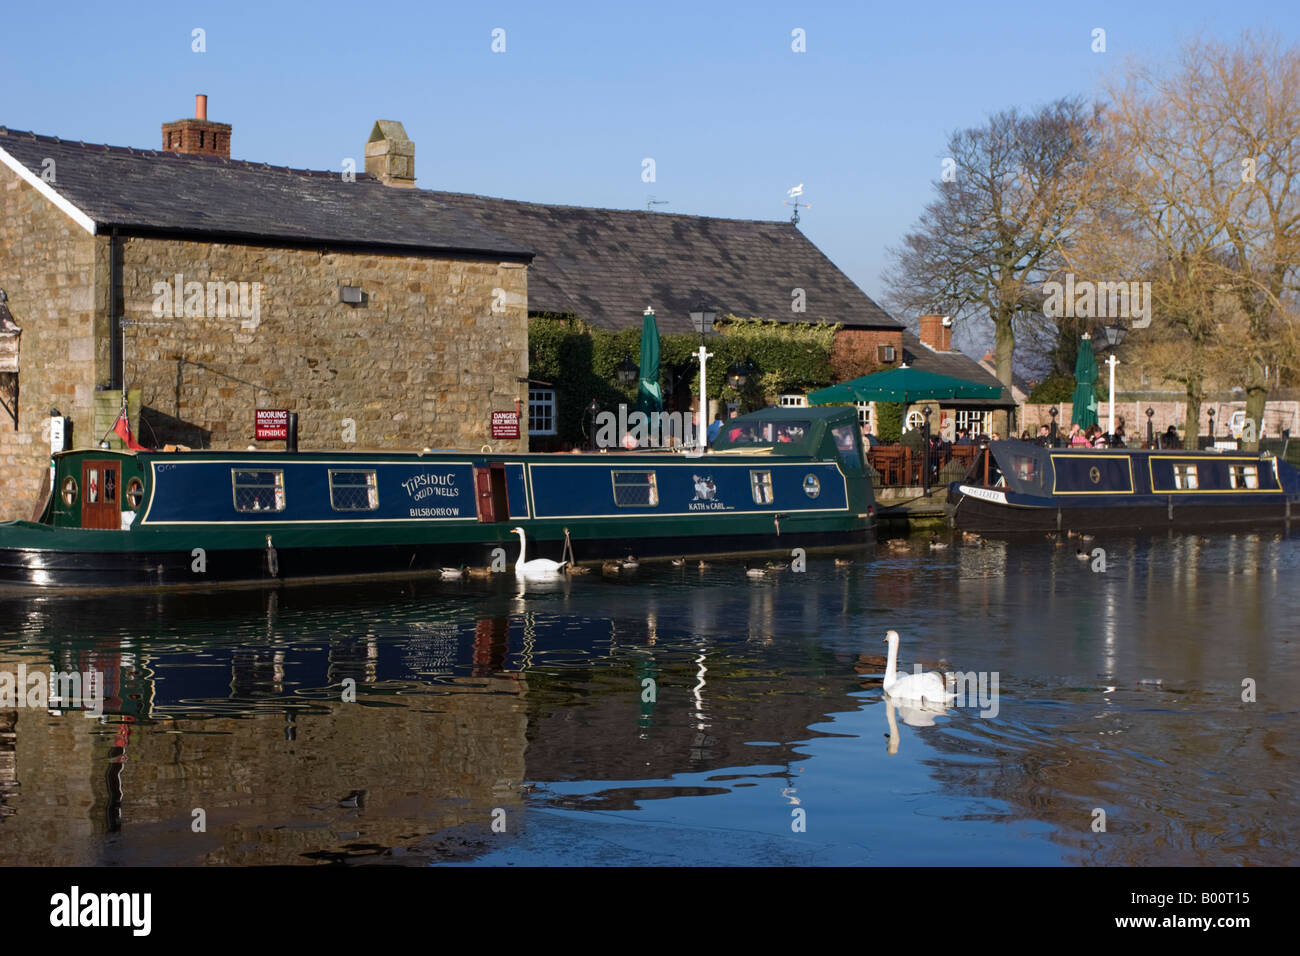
929, 687
1072, 534
897, 544
843, 562
679, 562
777, 566
479, 572
611, 568
1082, 555
452, 574
1087, 537
704, 565
935, 543
755, 572
972, 537
630, 563
572, 568
538, 567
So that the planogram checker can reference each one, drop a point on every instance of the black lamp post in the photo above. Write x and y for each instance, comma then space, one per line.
1054, 413
591, 412
1211, 414
738, 375
925, 431
627, 372
1151, 429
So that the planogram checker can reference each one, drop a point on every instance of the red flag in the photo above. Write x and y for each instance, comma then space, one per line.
123, 429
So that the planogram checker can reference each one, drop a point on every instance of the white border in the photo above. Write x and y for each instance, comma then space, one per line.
44, 188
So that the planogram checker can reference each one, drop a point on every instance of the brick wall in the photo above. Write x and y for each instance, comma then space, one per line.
855, 352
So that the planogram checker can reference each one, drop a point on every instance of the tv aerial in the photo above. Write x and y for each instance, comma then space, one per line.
652, 202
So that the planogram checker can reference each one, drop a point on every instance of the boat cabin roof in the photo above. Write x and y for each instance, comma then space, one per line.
818, 431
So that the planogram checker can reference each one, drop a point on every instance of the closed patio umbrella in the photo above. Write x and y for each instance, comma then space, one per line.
1084, 413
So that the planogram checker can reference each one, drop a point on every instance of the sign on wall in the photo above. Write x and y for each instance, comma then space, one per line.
505, 424
272, 424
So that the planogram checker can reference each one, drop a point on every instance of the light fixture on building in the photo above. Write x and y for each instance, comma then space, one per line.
351, 294
103, 443
627, 372
738, 375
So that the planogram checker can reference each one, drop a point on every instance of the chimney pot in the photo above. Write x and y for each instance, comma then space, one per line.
200, 106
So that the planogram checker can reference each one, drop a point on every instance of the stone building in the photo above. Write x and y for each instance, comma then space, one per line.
210, 287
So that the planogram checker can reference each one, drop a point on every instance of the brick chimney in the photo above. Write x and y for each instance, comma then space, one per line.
197, 136
390, 155
936, 332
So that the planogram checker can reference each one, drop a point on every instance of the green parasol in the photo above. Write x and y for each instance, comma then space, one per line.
1084, 413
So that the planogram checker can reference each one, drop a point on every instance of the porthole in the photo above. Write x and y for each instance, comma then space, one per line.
69, 490
134, 492
812, 487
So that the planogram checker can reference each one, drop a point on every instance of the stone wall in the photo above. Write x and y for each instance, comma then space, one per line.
421, 362
48, 268
436, 345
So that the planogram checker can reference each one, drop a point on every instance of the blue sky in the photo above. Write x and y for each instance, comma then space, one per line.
585, 91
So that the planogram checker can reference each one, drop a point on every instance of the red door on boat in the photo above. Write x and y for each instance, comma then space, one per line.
99, 504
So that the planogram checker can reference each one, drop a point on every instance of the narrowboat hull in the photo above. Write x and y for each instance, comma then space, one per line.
202, 518
1018, 487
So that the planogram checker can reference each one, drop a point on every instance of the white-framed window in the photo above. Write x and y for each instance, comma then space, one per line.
793, 401
915, 419
259, 489
975, 422
864, 414
353, 491
635, 489
541, 411
1185, 477
760, 482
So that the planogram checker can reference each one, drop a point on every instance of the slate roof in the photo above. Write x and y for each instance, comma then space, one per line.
159, 192
958, 365
607, 265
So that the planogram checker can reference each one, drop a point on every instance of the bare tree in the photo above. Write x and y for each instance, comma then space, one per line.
985, 245
1204, 163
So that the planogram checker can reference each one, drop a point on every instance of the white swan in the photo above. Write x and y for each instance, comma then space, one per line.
538, 567
929, 687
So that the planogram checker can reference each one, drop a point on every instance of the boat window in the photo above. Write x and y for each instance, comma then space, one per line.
69, 491
635, 489
92, 486
846, 440
761, 484
1245, 476
353, 491
1025, 468
134, 492
768, 432
261, 490
1185, 476
110, 484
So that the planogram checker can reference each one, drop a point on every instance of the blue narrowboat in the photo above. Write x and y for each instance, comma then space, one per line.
776, 479
1021, 486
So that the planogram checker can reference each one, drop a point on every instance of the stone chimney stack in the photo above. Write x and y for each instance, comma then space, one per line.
390, 155
936, 332
197, 136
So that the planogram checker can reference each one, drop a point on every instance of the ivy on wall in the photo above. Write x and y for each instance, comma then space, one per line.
581, 362
889, 421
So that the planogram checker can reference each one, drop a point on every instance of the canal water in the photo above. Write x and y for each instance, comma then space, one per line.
1138, 708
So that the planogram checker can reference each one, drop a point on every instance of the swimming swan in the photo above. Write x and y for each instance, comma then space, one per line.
926, 688
538, 567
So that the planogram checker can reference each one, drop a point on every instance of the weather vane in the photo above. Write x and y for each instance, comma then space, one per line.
794, 192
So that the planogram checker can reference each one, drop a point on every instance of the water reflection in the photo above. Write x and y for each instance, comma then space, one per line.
674, 705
